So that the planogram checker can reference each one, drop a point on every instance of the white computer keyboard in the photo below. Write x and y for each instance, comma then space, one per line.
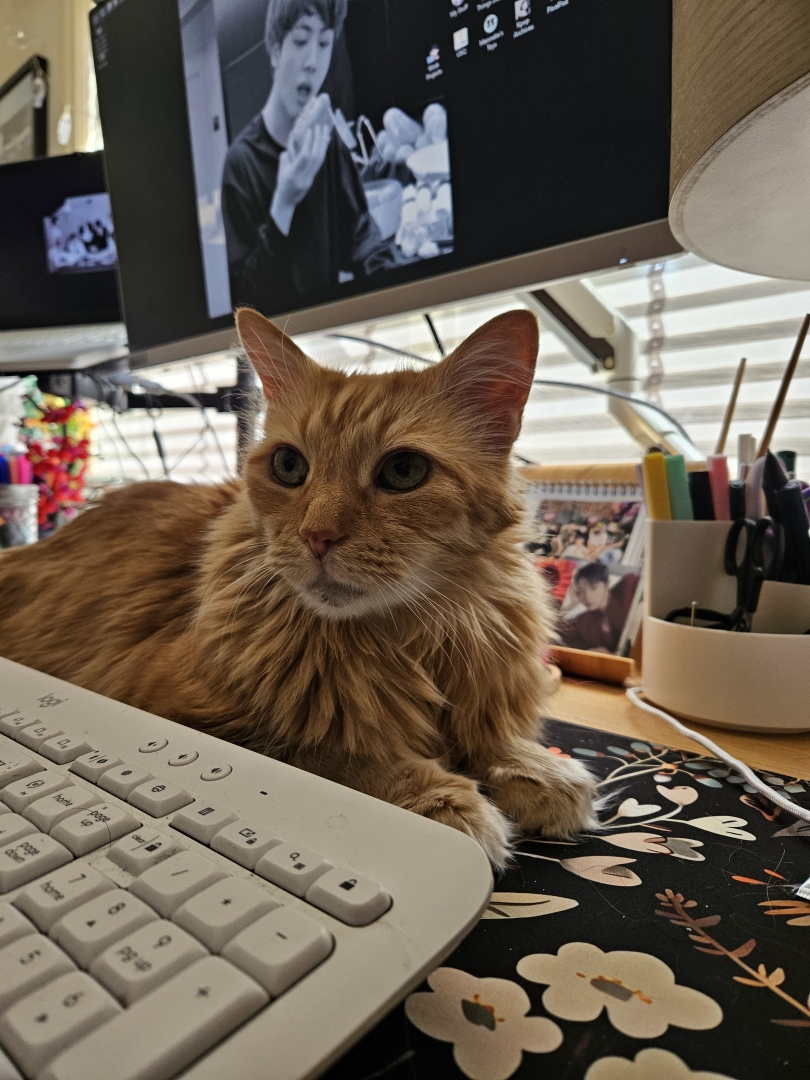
170, 902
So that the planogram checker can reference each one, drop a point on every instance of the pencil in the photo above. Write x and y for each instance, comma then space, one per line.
732, 404
783, 389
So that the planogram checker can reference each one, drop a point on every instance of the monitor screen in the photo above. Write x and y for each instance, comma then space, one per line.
339, 159
57, 244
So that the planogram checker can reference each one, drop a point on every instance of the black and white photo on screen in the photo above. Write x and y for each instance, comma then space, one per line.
299, 191
79, 235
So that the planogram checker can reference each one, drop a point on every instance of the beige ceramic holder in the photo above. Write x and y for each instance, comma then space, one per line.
756, 681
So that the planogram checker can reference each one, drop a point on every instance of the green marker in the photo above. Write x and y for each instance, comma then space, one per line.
680, 503
789, 461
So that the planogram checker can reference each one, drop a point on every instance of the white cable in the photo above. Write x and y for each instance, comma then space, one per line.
759, 785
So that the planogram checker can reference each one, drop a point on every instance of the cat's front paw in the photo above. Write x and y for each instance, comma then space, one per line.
545, 794
462, 806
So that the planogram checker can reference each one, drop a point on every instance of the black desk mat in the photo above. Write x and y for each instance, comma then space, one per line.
670, 947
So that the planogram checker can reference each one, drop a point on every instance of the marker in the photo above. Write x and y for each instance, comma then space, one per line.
736, 499
680, 503
788, 459
656, 489
774, 479
718, 478
797, 538
700, 490
746, 453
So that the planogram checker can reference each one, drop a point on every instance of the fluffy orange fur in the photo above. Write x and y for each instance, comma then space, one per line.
387, 639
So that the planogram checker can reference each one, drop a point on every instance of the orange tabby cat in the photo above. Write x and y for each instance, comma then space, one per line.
356, 606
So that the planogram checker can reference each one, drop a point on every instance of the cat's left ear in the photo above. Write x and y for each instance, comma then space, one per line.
490, 375
278, 361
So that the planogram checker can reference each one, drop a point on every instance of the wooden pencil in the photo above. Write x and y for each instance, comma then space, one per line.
732, 404
783, 389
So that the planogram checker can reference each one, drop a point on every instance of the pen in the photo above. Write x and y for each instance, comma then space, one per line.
680, 503
736, 499
774, 479
701, 494
793, 516
656, 489
718, 478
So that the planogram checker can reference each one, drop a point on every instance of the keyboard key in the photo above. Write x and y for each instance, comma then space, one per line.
202, 821
53, 1018
35, 735
143, 960
142, 849
12, 722
26, 791
185, 758
63, 749
245, 842
218, 913
292, 868
92, 766
216, 772
205, 1003
13, 925
94, 827
123, 779
347, 896
90, 929
153, 746
280, 948
4, 809
7, 1070
27, 964
13, 827
158, 798
169, 884
47, 901
15, 766
49, 811
29, 858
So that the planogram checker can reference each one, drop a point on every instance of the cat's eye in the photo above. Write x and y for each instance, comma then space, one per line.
403, 471
289, 465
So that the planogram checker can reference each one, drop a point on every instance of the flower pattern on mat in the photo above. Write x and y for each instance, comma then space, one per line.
606, 869
486, 1021
638, 990
650, 1064
525, 905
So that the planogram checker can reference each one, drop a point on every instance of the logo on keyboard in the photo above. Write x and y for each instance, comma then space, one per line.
350, 884
48, 700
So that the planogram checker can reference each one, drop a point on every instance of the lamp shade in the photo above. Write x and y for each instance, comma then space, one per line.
740, 172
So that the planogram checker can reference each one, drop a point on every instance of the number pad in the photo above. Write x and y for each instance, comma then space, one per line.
27, 964
49, 811
123, 779
63, 749
90, 929
24, 792
245, 842
169, 884
15, 766
142, 849
34, 736
95, 827
218, 913
292, 868
92, 766
280, 948
158, 798
29, 858
51, 1019
202, 821
146, 958
48, 900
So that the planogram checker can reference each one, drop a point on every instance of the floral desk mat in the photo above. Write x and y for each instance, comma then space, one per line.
669, 947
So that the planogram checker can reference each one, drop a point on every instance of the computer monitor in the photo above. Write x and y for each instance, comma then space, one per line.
332, 161
57, 244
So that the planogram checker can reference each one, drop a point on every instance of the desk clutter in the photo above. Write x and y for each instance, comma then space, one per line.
670, 945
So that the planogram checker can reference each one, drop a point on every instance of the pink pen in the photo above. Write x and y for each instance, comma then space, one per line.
718, 479
25, 471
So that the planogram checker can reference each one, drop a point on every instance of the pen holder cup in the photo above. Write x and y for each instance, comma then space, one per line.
750, 681
18, 515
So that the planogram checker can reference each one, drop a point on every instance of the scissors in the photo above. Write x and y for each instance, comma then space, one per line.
759, 559
754, 552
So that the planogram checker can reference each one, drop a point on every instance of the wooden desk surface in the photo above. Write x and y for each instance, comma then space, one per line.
608, 707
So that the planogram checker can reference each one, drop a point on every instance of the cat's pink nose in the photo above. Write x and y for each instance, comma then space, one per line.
320, 540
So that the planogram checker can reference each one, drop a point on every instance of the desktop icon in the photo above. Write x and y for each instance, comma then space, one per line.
523, 9
491, 24
461, 39
433, 56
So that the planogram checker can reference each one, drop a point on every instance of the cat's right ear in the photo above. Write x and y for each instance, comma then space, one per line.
278, 361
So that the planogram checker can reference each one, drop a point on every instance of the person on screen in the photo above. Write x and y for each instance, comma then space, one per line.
599, 627
294, 210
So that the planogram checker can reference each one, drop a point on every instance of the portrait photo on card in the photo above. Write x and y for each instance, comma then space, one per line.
313, 170
601, 610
